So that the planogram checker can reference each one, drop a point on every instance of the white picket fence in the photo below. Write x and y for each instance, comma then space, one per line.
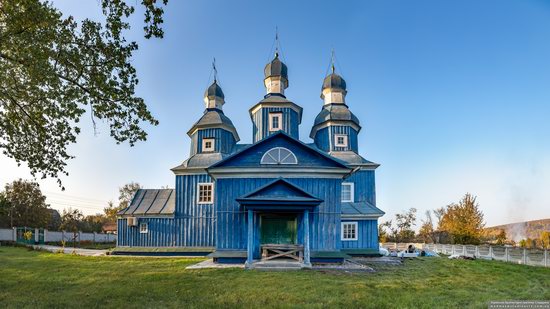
54, 236
533, 257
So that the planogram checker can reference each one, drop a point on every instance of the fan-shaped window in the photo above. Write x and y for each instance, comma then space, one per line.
279, 155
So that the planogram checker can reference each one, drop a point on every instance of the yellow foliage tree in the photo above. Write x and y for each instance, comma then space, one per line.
463, 221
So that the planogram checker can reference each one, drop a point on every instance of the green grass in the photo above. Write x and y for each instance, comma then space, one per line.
39, 279
86, 245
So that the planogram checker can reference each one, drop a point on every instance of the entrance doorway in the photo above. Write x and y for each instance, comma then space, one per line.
279, 229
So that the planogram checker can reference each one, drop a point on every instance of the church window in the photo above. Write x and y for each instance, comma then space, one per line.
341, 140
347, 192
275, 121
207, 144
279, 155
349, 230
206, 193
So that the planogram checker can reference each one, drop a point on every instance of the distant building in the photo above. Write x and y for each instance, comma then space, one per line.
234, 198
109, 228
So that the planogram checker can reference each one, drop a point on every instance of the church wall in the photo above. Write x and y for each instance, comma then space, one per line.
223, 140
195, 221
260, 122
367, 235
364, 185
231, 218
306, 157
324, 138
161, 233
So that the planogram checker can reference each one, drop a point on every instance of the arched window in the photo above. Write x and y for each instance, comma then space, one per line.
279, 155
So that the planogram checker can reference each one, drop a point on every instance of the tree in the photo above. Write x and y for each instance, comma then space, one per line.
23, 204
382, 233
401, 230
126, 193
404, 223
523, 243
71, 221
93, 223
501, 238
427, 232
53, 69
55, 221
463, 221
4, 211
545, 239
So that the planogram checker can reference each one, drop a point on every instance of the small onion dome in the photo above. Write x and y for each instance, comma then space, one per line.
334, 81
214, 91
276, 68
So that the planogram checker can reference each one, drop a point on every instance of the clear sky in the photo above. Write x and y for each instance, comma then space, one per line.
453, 97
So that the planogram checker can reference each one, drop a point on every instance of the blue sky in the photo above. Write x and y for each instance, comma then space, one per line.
454, 97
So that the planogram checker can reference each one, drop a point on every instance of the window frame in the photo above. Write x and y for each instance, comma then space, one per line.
211, 184
206, 140
278, 115
356, 230
352, 192
344, 144
141, 230
290, 154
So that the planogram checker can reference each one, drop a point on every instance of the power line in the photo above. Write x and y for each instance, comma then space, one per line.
74, 196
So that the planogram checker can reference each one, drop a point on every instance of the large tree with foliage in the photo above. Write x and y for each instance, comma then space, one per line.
401, 228
71, 221
54, 68
463, 221
126, 193
427, 232
23, 204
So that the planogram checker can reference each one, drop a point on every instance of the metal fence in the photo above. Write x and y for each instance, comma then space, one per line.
533, 257
41, 236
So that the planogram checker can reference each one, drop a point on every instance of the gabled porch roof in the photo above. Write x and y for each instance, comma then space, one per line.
279, 195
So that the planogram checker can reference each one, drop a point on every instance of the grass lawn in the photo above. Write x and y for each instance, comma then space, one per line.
39, 279
86, 245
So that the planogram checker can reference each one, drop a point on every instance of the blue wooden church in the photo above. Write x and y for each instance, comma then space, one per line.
277, 197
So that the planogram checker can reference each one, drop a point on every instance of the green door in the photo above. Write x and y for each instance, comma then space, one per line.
278, 230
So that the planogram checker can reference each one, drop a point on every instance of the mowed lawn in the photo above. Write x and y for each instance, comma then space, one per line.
39, 279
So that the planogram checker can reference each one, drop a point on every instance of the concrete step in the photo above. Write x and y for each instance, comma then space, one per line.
277, 265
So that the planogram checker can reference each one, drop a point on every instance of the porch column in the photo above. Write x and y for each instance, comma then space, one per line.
306, 238
250, 245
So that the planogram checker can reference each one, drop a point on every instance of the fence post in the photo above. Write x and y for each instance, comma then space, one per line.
491, 252
464, 250
524, 256
14, 234
45, 236
546, 258
506, 254
476, 252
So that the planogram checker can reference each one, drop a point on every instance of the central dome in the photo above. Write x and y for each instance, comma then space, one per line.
334, 81
276, 68
214, 91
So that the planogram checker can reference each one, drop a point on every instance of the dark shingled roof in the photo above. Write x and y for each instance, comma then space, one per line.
361, 209
276, 68
334, 112
213, 117
334, 81
214, 91
201, 160
151, 202
352, 158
